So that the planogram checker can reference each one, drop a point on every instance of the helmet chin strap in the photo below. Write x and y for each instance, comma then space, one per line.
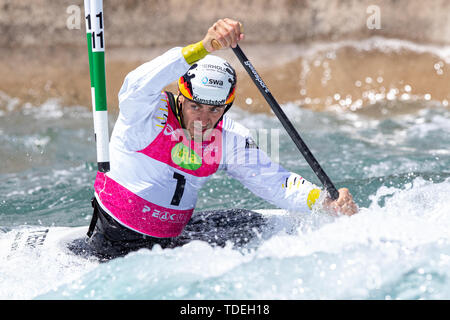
179, 113
228, 106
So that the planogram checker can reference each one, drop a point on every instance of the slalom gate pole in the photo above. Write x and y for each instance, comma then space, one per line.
309, 157
87, 16
95, 36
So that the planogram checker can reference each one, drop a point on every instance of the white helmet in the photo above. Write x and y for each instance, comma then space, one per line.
211, 80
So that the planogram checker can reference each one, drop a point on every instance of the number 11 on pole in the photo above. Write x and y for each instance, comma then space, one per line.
96, 48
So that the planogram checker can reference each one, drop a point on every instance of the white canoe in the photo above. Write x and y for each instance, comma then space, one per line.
24, 240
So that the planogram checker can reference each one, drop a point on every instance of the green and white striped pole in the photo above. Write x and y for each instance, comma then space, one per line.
87, 16
95, 35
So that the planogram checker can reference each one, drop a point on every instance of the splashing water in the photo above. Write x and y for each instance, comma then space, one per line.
396, 165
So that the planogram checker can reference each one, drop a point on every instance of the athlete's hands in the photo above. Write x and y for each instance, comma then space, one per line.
226, 32
342, 205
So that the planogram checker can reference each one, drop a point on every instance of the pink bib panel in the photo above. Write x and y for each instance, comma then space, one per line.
200, 159
137, 213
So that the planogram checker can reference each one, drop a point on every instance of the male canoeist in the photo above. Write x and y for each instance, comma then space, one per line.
164, 148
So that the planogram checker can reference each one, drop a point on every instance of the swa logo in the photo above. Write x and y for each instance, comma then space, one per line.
206, 80
216, 82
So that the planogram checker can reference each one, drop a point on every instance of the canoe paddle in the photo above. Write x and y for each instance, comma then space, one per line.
309, 157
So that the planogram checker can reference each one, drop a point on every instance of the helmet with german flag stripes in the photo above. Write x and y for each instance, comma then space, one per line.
211, 81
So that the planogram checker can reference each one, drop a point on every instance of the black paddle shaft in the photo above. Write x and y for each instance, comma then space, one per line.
334, 194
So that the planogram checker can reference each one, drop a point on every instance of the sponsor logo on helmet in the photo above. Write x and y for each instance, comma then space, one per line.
215, 82
212, 82
196, 98
213, 66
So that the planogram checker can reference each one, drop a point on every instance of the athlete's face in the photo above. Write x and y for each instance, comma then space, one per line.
197, 118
